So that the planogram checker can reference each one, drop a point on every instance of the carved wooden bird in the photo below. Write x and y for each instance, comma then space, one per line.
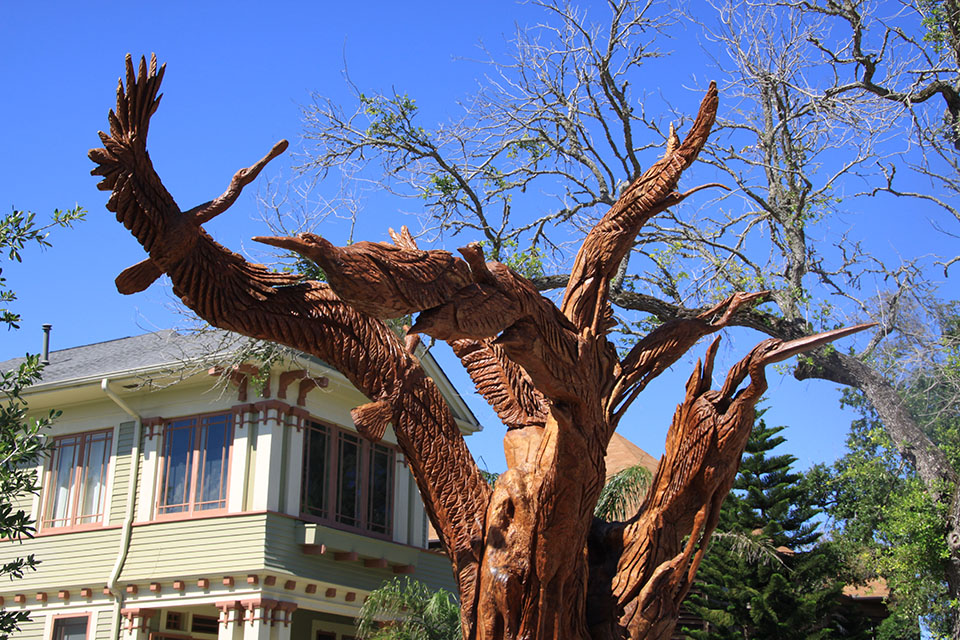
140, 201
380, 279
710, 417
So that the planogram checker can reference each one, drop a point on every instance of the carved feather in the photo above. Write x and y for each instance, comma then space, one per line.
227, 291
380, 279
608, 242
502, 383
371, 419
138, 277
404, 239
139, 198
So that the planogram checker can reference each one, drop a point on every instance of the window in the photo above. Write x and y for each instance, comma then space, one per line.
70, 628
347, 480
77, 479
195, 454
174, 621
204, 624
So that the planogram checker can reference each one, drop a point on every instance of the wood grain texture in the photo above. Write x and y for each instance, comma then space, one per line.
529, 558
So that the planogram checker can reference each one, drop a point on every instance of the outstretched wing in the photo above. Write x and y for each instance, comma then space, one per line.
139, 198
227, 291
502, 383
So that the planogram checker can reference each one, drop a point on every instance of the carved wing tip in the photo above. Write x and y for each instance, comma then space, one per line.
404, 239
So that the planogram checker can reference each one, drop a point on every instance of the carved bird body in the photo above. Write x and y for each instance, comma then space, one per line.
716, 416
380, 279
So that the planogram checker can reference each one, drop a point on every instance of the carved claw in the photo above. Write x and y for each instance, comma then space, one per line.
410, 340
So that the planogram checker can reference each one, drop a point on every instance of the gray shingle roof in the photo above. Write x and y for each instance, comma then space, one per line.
123, 354
162, 349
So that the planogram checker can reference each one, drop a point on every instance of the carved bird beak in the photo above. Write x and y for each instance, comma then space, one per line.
298, 244
800, 345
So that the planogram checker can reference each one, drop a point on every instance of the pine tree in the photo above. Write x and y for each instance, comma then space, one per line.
765, 575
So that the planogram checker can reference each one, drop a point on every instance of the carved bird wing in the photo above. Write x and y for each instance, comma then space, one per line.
584, 301
227, 291
139, 198
146, 208
502, 383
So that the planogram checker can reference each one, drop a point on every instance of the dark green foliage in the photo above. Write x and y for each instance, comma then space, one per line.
766, 574
405, 609
17, 230
20, 441
887, 525
20, 447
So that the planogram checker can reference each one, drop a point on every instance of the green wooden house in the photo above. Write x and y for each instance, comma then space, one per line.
182, 501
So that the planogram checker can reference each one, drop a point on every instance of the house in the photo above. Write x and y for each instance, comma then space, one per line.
173, 507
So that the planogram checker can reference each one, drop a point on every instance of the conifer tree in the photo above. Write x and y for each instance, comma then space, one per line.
765, 575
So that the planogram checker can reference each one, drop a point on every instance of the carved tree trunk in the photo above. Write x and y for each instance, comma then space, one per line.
529, 558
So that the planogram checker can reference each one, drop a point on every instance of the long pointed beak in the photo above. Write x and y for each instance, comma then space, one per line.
732, 303
800, 345
285, 242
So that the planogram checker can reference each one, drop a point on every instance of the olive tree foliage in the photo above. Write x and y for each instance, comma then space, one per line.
829, 111
21, 440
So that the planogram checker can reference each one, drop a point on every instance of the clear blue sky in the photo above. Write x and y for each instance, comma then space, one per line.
237, 74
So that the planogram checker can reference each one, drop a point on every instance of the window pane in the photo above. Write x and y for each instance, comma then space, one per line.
348, 480
315, 470
96, 456
211, 490
381, 489
70, 628
178, 450
204, 624
62, 474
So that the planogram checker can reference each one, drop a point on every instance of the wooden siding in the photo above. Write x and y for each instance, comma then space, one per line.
102, 627
121, 472
166, 550
284, 552
81, 558
32, 629
435, 570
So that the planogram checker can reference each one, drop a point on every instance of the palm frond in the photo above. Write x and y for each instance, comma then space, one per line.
623, 491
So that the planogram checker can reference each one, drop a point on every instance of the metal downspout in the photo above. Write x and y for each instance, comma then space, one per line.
127, 528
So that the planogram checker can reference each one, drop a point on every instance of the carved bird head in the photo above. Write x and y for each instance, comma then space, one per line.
308, 245
775, 350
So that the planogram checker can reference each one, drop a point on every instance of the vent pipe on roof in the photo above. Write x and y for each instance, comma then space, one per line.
45, 359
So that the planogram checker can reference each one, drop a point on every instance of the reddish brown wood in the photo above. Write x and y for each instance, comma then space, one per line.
528, 556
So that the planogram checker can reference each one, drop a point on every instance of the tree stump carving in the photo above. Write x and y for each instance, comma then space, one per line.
529, 559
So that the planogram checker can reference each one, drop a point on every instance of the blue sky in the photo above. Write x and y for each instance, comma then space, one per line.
237, 74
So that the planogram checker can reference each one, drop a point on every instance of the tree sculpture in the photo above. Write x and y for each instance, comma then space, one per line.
528, 556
